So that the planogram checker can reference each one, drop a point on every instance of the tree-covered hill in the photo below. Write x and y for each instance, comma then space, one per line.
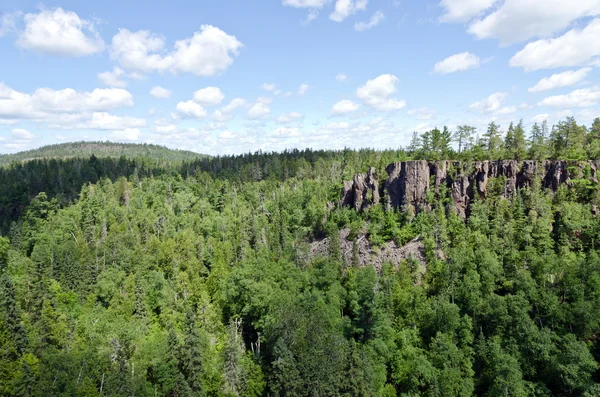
101, 149
241, 276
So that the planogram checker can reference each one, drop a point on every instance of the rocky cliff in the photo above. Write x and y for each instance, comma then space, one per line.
409, 182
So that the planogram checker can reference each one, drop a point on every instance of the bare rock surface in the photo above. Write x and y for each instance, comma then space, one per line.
409, 182
369, 255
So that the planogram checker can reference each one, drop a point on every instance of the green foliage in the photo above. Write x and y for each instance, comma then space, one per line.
204, 280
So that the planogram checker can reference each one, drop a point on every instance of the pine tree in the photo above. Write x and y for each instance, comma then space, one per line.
519, 142
491, 140
192, 355
464, 136
10, 315
509, 141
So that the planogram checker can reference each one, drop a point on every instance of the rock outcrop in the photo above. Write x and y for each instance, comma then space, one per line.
409, 182
362, 192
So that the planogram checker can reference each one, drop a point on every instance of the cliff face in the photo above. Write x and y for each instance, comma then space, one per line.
408, 182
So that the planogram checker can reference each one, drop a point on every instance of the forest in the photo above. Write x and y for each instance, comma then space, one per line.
127, 276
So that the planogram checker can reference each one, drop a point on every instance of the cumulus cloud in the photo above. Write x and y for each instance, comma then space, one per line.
209, 96
114, 78
539, 118
520, 20
344, 106
287, 118
375, 20
60, 32
46, 102
559, 80
464, 10
341, 77
270, 87
208, 52
378, 92
493, 104
191, 109
128, 134
457, 63
345, 8
577, 47
305, 3
160, 92
258, 111
264, 99
20, 134
579, 98
422, 113
303, 88
235, 103
106, 121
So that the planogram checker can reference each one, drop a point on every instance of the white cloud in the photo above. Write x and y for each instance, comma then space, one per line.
191, 109
576, 47
375, 20
305, 3
114, 78
106, 121
520, 20
344, 106
423, 113
579, 98
270, 87
209, 96
494, 104
457, 63
20, 134
378, 92
464, 10
264, 99
128, 134
303, 88
289, 117
287, 132
234, 104
45, 102
559, 80
341, 77
345, 8
60, 32
208, 52
539, 118
8, 22
218, 115
259, 110
160, 92
164, 129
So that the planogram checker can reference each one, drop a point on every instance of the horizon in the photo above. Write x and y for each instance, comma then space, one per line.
223, 78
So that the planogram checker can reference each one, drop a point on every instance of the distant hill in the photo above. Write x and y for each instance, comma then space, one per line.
102, 149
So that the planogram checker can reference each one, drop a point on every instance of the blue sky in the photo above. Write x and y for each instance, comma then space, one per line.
224, 76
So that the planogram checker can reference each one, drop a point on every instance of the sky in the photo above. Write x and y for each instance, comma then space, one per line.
237, 76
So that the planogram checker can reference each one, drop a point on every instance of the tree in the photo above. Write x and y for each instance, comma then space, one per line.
519, 142
464, 136
568, 139
491, 140
538, 139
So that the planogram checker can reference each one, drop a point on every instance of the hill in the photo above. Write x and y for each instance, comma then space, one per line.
101, 149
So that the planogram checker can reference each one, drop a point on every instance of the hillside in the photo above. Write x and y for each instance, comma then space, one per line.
101, 149
412, 272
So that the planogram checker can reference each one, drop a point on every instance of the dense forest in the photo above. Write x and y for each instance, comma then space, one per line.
124, 277
102, 149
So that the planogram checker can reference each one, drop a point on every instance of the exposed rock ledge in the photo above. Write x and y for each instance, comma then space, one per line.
409, 182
